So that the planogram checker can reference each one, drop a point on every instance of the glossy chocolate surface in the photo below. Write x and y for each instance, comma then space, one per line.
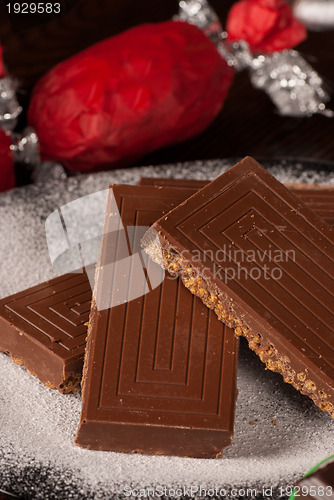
160, 370
264, 261
44, 328
319, 485
319, 198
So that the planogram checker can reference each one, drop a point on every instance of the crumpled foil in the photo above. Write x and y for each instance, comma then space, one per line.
202, 15
9, 107
25, 147
292, 84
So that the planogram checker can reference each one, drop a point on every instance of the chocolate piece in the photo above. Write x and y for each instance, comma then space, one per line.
160, 370
316, 485
31, 52
263, 261
319, 198
44, 328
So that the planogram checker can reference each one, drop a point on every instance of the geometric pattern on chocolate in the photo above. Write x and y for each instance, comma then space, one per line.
235, 225
187, 360
232, 223
53, 313
164, 354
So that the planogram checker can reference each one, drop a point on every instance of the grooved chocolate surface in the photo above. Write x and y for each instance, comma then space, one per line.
319, 485
45, 328
246, 219
318, 198
160, 370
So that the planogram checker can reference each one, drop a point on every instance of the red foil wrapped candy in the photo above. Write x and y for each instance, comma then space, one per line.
126, 96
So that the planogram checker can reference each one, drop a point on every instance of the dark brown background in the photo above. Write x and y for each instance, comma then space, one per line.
248, 122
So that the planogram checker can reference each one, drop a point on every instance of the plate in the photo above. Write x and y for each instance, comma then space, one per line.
279, 434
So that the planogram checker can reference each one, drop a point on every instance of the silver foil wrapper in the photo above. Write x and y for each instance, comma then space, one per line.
202, 15
25, 147
292, 84
9, 107
290, 81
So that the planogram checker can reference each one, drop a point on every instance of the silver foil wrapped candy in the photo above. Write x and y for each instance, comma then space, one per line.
290, 81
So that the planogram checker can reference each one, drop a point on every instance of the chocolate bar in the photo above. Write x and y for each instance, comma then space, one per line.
160, 369
318, 484
263, 261
319, 198
44, 328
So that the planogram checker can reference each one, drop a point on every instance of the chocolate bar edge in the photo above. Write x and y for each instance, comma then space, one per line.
146, 437
183, 442
54, 372
166, 255
54, 367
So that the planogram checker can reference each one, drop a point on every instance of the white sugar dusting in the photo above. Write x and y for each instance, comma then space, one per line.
279, 433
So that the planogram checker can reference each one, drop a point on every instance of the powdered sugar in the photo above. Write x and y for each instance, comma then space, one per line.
279, 433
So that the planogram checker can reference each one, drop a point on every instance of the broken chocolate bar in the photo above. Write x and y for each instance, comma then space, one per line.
160, 369
320, 198
44, 328
263, 261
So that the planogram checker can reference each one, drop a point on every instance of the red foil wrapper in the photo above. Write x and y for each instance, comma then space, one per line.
2, 67
7, 175
122, 98
266, 25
